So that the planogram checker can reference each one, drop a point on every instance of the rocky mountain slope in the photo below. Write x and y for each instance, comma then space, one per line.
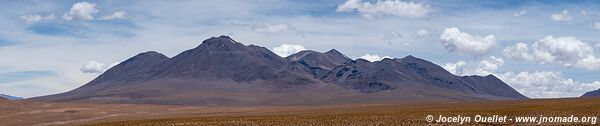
221, 71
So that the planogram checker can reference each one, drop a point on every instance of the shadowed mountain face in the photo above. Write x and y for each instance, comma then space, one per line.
221, 71
595, 93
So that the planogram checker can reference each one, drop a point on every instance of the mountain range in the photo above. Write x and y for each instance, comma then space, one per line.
9, 97
224, 72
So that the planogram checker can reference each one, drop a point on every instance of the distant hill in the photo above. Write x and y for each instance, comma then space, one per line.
594, 93
222, 71
8, 97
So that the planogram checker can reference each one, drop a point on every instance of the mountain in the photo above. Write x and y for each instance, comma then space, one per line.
391, 74
221, 71
8, 97
594, 93
316, 63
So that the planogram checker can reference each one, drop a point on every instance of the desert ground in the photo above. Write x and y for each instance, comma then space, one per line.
15, 113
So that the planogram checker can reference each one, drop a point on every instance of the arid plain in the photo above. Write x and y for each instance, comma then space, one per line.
49, 113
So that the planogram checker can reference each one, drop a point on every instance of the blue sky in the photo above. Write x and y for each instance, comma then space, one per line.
544, 49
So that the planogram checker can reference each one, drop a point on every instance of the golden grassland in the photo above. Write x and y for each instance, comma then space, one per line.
383, 114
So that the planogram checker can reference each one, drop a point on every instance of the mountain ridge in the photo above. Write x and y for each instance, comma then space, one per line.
594, 93
222, 71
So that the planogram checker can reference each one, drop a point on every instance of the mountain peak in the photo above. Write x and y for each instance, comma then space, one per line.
145, 56
221, 38
150, 54
410, 57
130, 67
307, 52
221, 43
224, 36
333, 51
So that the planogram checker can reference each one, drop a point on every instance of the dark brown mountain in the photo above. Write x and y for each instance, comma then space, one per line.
594, 93
221, 71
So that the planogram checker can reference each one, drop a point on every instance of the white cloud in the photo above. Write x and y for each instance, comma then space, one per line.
568, 51
483, 68
562, 16
455, 68
115, 15
373, 58
518, 51
36, 18
520, 13
81, 11
272, 28
546, 84
287, 49
488, 66
456, 41
96, 67
93, 67
385, 7
597, 25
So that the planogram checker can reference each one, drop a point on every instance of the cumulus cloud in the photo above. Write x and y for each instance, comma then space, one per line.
546, 84
93, 67
485, 67
96, 67
456, 41
373, 58
455, 68
562, 16
115, 15
489, 66
385, 7
36, 18
568, 51
81, 11
287, 49
520, 13
518, 51
272, 28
